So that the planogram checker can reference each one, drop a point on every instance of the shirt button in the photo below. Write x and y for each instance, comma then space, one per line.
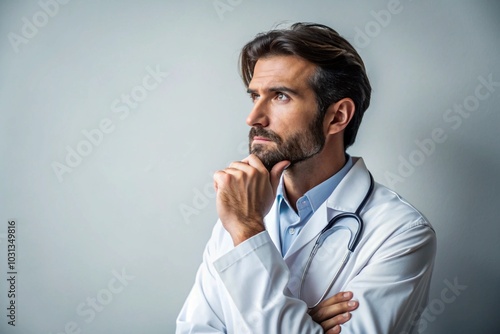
291, 230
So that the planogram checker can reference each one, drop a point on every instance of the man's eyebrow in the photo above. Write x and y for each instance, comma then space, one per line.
283, 89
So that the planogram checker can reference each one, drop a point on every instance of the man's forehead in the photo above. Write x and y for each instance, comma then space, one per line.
282, 70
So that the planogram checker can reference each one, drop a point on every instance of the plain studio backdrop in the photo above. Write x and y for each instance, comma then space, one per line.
115, 114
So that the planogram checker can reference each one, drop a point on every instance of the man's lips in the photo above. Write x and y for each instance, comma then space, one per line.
261, 139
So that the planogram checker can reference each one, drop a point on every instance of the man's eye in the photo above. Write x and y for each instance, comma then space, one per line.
254, 97
282, 97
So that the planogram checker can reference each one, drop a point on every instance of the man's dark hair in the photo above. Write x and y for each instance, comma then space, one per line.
340, 70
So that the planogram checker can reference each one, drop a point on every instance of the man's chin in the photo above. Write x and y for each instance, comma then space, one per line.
268, 162
268, 157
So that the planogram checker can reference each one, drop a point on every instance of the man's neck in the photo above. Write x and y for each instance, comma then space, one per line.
304, 176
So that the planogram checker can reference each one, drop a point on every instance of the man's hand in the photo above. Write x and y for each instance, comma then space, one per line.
334, 311
245, 194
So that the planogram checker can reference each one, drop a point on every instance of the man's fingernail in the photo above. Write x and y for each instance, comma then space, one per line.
346, 294
351, 303
345, 315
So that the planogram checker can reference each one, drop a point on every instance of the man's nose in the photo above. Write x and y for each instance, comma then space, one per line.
258, 115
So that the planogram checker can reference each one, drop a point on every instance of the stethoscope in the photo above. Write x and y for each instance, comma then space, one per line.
328, 230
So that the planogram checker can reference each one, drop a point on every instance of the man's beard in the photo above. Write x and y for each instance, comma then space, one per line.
299, 147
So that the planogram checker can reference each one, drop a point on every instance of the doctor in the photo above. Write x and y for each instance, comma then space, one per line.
309, 90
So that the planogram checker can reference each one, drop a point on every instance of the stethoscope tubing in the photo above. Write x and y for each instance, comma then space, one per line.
353, 242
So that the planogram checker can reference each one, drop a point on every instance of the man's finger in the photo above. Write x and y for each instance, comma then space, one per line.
241, 165
337, 298
334, 324
255, 162
220, 178
331, 311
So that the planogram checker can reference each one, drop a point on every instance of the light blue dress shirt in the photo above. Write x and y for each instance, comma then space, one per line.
291, 222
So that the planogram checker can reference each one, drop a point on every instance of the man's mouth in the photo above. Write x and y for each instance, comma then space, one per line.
258, 135
260, 139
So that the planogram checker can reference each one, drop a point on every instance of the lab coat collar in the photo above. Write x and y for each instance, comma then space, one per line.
352, 189
345, 198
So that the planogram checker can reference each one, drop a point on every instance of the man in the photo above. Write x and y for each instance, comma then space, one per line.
309, 90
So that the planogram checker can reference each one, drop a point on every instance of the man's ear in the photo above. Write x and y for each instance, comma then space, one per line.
338, 115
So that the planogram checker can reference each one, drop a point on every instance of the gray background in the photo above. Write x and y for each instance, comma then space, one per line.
120, 209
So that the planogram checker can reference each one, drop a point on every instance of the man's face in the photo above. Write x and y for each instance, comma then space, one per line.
285, 122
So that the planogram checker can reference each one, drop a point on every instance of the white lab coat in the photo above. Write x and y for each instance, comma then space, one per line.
251, 288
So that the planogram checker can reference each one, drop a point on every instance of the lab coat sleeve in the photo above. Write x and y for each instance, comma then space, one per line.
202, 311
393, 287
256, 277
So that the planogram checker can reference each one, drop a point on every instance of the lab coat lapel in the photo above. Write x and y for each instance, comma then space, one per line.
345, 198
312, 228
272, 226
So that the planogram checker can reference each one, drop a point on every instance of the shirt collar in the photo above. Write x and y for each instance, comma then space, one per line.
318, 195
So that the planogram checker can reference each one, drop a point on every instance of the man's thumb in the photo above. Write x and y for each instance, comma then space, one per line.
276, 172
